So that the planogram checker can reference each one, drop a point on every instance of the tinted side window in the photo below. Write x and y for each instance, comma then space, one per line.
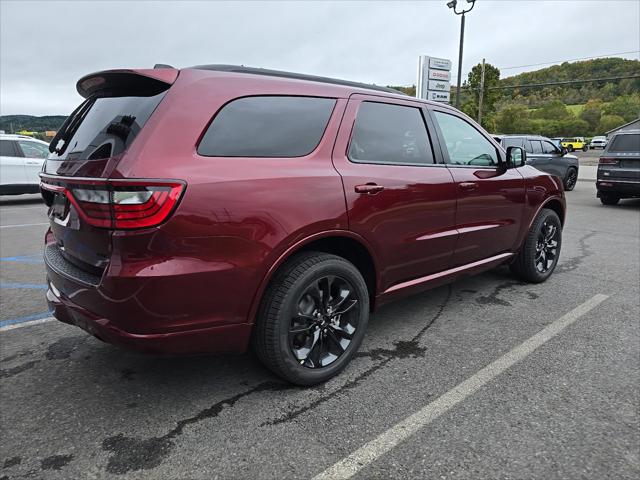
33, 149
273, 126
465, 144
7, 149
536, 146
548, 147
386, 133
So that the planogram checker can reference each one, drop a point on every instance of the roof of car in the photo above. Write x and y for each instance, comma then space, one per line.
295, 76
9, 136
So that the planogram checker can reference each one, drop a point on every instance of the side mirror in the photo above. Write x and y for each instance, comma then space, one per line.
516, 157
564, 151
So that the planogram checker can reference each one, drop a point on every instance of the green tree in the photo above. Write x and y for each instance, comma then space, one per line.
591, 113
553, 110
490, 95
625, 106
513, 118
609, 122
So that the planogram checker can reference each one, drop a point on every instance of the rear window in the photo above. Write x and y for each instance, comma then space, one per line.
268, 126
625, 143
109, 127
511, 142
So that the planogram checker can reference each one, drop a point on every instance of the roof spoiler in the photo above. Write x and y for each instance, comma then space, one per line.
143, 82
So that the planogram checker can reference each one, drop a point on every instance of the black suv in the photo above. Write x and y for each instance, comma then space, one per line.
619, 168
545, 155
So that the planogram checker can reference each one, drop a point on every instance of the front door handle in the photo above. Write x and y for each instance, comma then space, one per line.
369, 188
468, 186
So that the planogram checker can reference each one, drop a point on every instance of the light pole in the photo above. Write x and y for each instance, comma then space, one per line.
452, 5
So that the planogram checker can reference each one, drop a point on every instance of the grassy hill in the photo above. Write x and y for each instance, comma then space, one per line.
575, 93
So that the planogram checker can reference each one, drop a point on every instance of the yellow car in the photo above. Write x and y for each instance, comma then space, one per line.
575, 143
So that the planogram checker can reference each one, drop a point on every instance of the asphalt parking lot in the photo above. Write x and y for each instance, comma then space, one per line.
498, 379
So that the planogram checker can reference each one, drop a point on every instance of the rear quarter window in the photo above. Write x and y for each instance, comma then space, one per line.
625, 143
267, 126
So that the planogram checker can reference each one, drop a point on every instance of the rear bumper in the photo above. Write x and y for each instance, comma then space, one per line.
622, 188
219, 339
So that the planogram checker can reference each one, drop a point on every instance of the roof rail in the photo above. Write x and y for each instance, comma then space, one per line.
295, 76
162, 65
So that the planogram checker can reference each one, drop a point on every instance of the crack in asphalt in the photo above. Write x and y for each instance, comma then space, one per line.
131, 454
403, 349
10, 372
494, 297
584, 252
55, 462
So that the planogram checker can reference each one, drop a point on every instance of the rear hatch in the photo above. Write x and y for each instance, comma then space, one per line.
620, 160
85, 205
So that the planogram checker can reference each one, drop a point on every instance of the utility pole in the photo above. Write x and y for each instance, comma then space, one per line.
481, 94
452, 5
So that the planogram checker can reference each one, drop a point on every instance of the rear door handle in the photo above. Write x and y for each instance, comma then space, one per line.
369, 188
468, 185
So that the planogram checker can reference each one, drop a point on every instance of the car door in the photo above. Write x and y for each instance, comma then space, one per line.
554, 163
398, 198
34, 155
12, 170
491, 198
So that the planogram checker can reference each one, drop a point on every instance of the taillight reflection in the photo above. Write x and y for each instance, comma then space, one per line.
607, 161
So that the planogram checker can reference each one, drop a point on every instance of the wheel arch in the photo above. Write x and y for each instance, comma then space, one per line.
343, 243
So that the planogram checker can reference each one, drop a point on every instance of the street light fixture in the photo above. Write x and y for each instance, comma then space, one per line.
452, 5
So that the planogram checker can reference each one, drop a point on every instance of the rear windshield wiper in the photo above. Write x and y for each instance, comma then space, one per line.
70, 126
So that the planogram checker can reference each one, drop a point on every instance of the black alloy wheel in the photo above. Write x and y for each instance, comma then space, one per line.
571, 179
323, 322
312, 318
547, 247
538, 256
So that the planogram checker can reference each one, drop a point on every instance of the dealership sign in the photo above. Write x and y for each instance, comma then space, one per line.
434, 76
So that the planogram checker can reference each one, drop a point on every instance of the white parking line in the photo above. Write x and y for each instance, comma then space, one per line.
24, 225
16, 209
26, 324
382, 444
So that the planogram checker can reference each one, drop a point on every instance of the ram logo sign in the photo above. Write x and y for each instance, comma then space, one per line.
434, 75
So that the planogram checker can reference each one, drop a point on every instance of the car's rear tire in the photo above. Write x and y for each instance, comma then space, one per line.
540, 252
570, 179
609, 199
312, 318
570, 147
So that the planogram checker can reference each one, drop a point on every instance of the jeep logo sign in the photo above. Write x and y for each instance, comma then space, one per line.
434, 75
439, 86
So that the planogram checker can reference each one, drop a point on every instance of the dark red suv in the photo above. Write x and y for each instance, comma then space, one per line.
204, 209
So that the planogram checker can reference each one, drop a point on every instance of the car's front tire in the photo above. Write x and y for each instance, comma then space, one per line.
570, 179
609, 199
540, 252
312, 318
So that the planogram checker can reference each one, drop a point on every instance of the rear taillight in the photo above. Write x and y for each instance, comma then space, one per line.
122, 204
607, 161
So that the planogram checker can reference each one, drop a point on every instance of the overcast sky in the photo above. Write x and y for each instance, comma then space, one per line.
46, 46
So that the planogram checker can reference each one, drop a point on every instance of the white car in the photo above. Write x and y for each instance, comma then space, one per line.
598, 142
21, 159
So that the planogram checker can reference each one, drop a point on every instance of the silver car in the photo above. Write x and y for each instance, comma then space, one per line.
545, 155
